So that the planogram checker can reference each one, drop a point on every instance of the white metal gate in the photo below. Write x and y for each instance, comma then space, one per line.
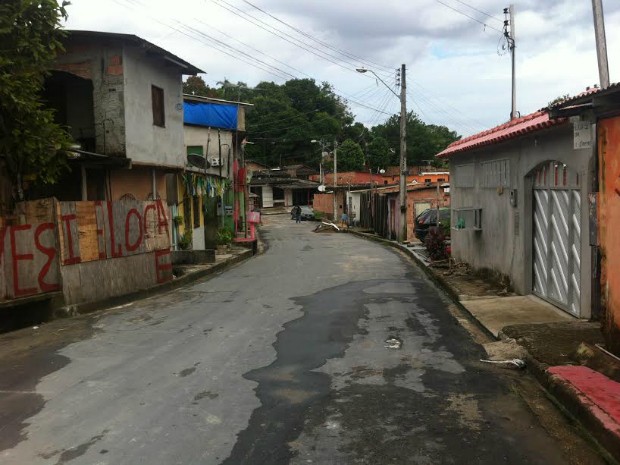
557, 236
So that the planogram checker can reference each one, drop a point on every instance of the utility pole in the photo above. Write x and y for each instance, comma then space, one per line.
601, 43
403, 156
510, 38
402, 236
335, 179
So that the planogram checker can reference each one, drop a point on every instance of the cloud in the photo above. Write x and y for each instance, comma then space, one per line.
455, 75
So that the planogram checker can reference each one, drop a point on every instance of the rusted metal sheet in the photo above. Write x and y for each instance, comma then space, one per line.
609, 227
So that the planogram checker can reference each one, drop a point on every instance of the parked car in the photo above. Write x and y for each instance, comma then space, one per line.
428, 219
307, 213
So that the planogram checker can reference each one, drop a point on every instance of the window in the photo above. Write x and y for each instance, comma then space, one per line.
441, 180
428, 180
195, 150
196, 210
495, 174
157, 96
467, 218
464, 175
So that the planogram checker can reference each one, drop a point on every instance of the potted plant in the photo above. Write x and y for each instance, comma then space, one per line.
223, 239
185, 241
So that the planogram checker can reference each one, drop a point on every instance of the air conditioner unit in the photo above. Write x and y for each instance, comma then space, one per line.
215, 161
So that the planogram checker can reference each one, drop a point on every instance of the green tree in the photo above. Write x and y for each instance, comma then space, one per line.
195, 85
378, 153
285, 119
31, 143
423, 141
350, 156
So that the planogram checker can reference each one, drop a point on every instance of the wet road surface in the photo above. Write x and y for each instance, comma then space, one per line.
280, 360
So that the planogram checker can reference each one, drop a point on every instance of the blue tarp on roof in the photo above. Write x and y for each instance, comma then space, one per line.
210, 114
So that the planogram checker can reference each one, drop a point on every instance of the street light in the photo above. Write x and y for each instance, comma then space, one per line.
323, 146
402, 237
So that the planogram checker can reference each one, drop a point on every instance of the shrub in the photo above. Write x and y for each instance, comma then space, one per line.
185, 241
435, 243
224, 236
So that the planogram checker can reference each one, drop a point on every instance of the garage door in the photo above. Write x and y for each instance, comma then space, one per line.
557, 236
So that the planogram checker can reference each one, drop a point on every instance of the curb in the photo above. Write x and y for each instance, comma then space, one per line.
89, 307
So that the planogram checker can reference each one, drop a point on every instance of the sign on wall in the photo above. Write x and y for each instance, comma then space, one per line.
582, 135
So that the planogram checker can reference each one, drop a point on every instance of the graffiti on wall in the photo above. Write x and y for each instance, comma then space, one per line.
47, 235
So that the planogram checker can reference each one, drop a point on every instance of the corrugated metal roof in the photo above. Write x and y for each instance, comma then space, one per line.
517, 127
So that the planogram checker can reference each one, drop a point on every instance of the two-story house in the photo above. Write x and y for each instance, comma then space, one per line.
121, 98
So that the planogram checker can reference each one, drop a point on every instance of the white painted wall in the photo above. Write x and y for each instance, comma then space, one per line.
200, 136
355, 199
267, 197
145, 142
198, 238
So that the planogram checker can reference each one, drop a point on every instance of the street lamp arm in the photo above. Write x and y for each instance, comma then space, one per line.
364, 70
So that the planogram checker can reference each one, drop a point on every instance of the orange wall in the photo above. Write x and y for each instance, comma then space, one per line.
325, 203
609, 225
422, 195
137, 182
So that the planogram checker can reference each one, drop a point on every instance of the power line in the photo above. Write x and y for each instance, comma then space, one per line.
480, 11
283, 35
253, 48
469, 16
223, 44
324, 44
193, 37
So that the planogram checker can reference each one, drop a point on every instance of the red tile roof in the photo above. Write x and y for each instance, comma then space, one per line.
510, 130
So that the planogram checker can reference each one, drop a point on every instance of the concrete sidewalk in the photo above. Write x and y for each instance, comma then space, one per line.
564, 353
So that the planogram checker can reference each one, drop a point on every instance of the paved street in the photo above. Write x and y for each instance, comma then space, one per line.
280, 360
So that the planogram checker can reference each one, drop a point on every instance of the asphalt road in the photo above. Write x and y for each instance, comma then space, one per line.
280, 360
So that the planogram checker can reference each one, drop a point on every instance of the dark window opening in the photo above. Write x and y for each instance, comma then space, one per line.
157, 96
441, 180
196, 208
427, 180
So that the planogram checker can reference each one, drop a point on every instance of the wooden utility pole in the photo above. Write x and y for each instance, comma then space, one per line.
601, 43
403, 156
335, 180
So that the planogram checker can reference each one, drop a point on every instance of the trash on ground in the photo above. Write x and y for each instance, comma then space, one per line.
515, 362
393, 343
326, 226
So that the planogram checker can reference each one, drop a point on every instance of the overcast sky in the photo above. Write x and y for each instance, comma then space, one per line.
458, 73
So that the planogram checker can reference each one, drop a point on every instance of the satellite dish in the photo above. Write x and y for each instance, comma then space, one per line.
321, 188
197, 160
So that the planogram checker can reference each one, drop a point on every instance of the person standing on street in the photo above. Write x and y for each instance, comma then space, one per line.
297, 211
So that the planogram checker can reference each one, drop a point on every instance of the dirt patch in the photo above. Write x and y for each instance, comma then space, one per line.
470, 282
555, 343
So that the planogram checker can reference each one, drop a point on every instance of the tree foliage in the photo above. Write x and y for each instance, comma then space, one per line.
195, 85
378, 154
424, 141
350, 156
287, 117
31, 143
